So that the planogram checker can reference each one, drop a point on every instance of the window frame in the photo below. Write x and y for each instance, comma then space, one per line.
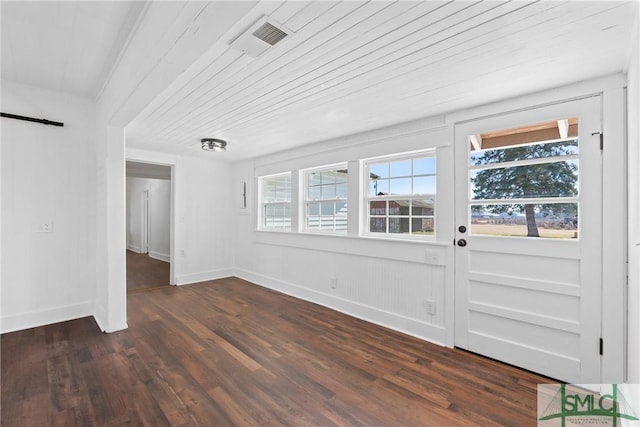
367, 198
306, 200
262, 216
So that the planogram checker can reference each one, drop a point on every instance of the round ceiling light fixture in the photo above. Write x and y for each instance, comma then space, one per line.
213, 144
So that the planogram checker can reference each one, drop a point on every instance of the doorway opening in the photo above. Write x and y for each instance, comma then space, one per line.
148, 226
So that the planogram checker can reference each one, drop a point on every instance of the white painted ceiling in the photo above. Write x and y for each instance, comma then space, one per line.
350, 66
68, 46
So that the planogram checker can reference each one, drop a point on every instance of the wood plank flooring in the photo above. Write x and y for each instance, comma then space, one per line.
230, 353
144, 272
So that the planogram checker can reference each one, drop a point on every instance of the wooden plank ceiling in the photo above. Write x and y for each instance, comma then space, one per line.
350, 66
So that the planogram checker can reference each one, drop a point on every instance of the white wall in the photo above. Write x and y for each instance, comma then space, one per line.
159, 191
384, 281
48, 176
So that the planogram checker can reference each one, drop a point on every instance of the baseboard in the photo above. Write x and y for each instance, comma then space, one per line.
159, 256
101, 318
187, 279
135, 249
423, 330
33, 319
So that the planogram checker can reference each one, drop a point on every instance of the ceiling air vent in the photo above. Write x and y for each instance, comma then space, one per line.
269, 33
260, 37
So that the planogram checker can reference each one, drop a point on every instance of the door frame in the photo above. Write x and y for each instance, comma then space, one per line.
585, 252
614, 184
144, 235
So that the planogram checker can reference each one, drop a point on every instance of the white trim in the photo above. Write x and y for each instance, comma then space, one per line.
614, 237
144, 221
159, 256
34, 319
106, 330
426, 331
580, 90
407, 250
135, 249
187, 279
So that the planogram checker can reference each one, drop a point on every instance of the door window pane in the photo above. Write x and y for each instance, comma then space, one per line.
531, 165
553, 179
558, 221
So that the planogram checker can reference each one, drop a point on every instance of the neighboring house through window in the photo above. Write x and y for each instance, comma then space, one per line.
401, 195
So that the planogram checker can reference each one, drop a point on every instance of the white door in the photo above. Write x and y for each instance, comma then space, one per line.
528, 239
145, 222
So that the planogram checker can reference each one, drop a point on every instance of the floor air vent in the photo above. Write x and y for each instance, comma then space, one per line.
262, 35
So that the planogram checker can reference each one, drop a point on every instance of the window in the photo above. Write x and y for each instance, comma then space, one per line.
276, 202
401, 195
326, 199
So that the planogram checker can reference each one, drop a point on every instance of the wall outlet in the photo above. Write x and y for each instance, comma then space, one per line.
45, 227
431, 307
333, 282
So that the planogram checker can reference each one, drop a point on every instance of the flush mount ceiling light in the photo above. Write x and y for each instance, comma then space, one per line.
213, 144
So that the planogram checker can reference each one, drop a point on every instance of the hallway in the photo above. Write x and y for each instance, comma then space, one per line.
144, 272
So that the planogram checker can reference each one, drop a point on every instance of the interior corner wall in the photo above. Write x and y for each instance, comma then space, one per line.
48, 181
159, 225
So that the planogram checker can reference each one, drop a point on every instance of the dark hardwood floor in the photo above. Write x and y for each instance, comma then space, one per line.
228, 352
144, 272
